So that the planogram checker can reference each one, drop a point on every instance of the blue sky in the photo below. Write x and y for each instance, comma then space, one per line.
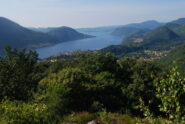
89, 13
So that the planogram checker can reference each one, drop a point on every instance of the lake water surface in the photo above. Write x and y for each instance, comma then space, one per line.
100, 41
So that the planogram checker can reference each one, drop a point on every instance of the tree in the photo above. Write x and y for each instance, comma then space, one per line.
98, 62
107, 91
16, 74
67, 91
137, 77
18, 112
170, 90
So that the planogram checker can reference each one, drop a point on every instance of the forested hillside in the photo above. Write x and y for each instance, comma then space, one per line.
93, 86
92, 62
142, 84
175, 57
161, 39
63, 34
14, 35
130, 29
20, 37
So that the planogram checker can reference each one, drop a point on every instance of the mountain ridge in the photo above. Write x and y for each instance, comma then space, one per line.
130, 29
163, 38
17, 36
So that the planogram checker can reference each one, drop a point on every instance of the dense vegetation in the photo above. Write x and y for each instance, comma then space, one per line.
92, 86
175, 57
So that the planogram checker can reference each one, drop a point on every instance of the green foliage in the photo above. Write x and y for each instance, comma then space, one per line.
115, 118
67, 91
170, 90
23, 113
17, 78
111, 118
145, 109
108, 91
92, 82
122, 50
98, 62
160, 35
102, 117
138, 77
99, 81
96, 106
79, 118
176, 57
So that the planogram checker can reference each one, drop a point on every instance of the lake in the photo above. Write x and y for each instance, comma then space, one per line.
101, 40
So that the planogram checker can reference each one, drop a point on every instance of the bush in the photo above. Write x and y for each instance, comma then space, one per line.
103, 117
170, 90
107, 91
17, 77
79, 118
67, 91
23, 113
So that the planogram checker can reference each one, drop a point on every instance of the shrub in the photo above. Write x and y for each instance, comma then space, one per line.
170, 90
79, 118
17, 78
23, 113
115, 118
67, 91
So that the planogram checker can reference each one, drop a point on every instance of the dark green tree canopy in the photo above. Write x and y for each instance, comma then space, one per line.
16, 74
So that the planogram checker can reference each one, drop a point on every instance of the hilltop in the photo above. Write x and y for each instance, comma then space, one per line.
17, 36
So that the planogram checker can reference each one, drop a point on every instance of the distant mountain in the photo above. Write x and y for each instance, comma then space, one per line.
177, 28
161, 39
62, 33
136, 37
98, 31
66, 34
127, 31
175, 57
173, 26
130, 29
181, 30
161, 33
179, 21
151, 24
44, 30
159, 36
90, 31
165, 37
17, 36
140, 33
122, 30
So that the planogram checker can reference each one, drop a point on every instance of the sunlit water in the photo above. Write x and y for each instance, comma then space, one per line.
100, 41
